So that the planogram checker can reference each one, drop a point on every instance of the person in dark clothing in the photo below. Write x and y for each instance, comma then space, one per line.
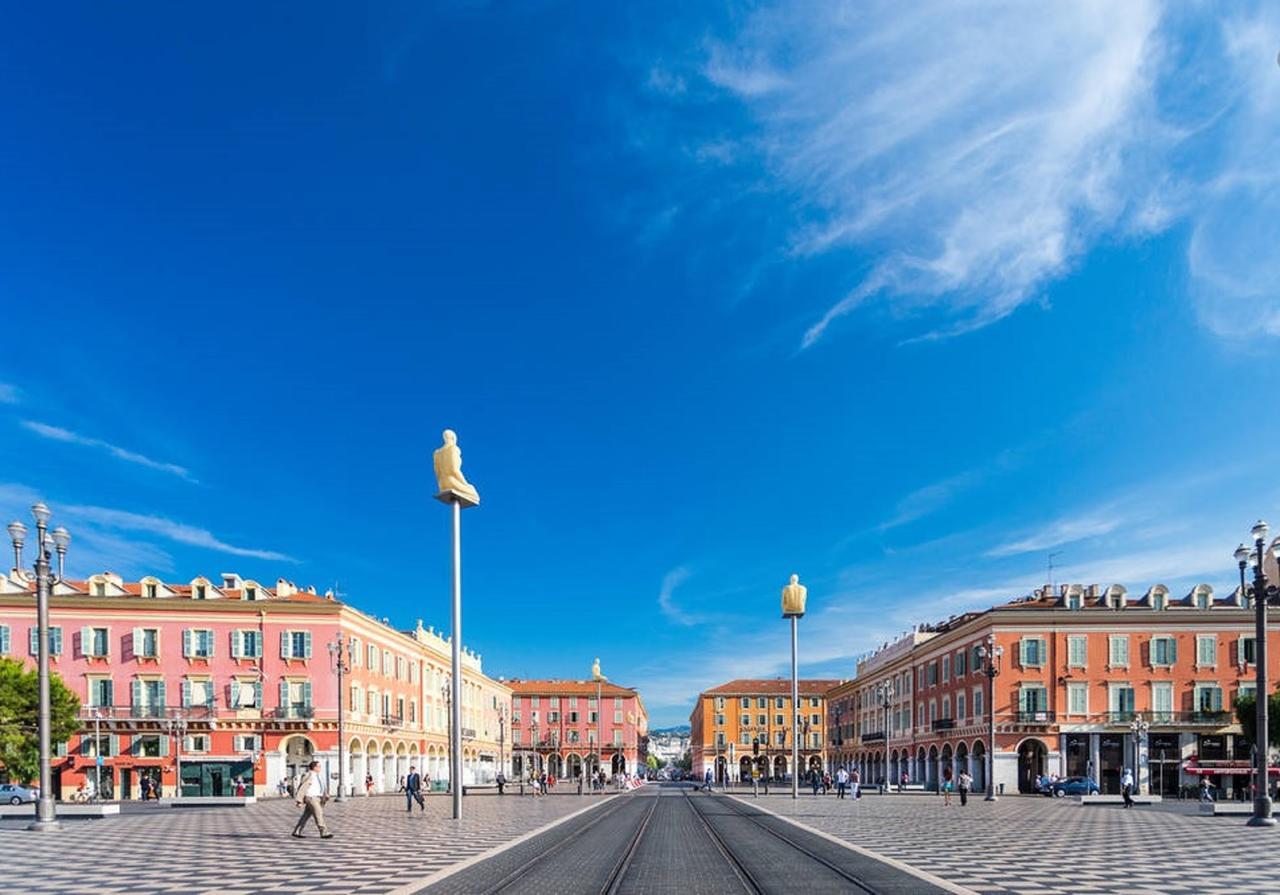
502, 782
413, 791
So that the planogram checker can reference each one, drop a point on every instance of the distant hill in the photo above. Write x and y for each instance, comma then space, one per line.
678, 730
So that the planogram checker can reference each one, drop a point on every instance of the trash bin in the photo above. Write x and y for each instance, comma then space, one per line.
1001, 785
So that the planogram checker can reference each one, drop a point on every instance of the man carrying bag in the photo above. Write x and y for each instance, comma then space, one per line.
413, 790
311, 798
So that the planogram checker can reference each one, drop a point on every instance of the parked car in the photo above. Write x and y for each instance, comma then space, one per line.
1074, 786
14, 794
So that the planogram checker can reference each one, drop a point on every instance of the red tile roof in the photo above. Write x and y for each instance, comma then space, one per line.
565, 688
771, 687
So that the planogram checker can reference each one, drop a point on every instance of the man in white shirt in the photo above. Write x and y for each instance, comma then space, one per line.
842, 782
311, 798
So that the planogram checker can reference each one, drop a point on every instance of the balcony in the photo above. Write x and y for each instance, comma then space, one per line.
156, 713
1035, 716
292, 712
393, 720
944, 724
876, 736
1173, 719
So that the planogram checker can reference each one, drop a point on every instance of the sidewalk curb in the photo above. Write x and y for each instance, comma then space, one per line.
445, 872
865, 852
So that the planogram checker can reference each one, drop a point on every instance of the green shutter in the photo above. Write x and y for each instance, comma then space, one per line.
35, 641
55, 638
137, 693
163, 701
306, 691
306, 650
115, 746
284, 697
1022, 652
186, 694
213, 644
237, 644
284, 644
257, 694
108, 690
164, 746
186, 641
4, 640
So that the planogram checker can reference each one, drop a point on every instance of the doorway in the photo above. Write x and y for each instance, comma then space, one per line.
1032, 757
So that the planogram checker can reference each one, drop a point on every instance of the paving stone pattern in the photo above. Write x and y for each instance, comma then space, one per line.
377, 847
1039, 846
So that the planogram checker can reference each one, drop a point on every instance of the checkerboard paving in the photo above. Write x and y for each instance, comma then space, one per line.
1039, 846
377, 847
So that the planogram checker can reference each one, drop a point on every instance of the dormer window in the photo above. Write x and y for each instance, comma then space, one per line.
151, 591
99, 588
1202, 600
1159, 602
1073, 601
200, 592
251, 593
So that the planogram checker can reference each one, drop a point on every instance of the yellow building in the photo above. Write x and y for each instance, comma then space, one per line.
750, 722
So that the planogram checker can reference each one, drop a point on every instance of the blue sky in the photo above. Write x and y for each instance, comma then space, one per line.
711, 294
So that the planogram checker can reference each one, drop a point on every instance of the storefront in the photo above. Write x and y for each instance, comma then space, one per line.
1164, 763
216, 778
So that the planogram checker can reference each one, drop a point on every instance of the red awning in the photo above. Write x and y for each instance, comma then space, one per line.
1231, 772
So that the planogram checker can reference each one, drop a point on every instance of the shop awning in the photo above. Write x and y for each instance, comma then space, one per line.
1231, 771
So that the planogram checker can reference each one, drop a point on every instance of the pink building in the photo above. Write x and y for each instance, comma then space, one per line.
557, 726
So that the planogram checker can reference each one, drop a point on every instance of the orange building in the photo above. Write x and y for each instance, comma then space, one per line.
750, 723
556, 726
1076, 667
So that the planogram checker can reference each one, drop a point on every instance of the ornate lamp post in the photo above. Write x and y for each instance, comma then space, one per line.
793, 600
46, 816
340, 660
446, 693
456, 491
1139, 728
1263, 592
989, 653
502, 740
178, 730
599, 679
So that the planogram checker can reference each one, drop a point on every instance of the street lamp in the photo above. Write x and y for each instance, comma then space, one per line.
793, 600
502, 740
446, 693
1139, 727
989, 653
340, 661
838, 742
178, 730
1263, 592
46, 817
886, 691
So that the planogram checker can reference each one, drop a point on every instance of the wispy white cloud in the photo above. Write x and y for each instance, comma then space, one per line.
178, 532
976, 152
9, 394
57, 433
666, 597
931, 498
1062, 531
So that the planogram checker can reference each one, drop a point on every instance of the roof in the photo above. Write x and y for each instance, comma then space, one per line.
565, 688
771, 686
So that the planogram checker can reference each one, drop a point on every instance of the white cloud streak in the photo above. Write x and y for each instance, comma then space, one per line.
9, 394
57, 433
976, 152
1062, 531
178, 532
666, 597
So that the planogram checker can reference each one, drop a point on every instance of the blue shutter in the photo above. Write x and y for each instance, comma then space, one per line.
257, 694
284, 698
35, 641
115, 746
186, 641
164, 746
306, 692
186, 694
306, 650
109, 691
237, 644
55, 638
284, 644
4, 640
137, 693
163, 702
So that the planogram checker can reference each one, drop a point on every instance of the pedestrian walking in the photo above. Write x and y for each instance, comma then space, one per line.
413, 791
502, 781
368, 784
946, 785
966, 783
1205, 794
842, 782
903, 781
311, 797
855, 783
1126, 788
707, 778
239, 785
293, 786
826, 782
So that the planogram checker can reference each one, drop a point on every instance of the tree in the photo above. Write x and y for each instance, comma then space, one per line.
686, 761
652, 762
19, 718
1246, 708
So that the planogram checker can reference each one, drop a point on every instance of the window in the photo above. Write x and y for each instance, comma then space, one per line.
1077, 651
617, 718
1121, 700
55, 640
201, 592
553, 717
946, 707
197, 643
247, 742
946, 669
1247, 688
920, 678
196, 743
814, 702
197, 692
1033, 699
251, 593
246, 644
1073, 601
977, 702
960, 705
779, 720
1164, 651
761, 702
1202, 600
931, 673
148, 746
617, 737
746, 702
1246, 650
1077, 699
246, 693
295, 699
719, 719
297, 645
148, 698
1208, 698
95, 641
146, 642
573, 717
933, 710
5, 646
537, 701
515, 738
1159, 602
1118, 651
778, 702
745, 739
1206, 650
373, 658
781, 737
1032, 652
1162, 702
353, 701
151, 591
960, 664
100, 692
920, 715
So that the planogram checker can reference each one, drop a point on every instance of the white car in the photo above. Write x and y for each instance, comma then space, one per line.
14, 794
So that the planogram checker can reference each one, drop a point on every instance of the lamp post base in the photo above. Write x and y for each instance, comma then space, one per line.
991, 797
1262, 813
55, 826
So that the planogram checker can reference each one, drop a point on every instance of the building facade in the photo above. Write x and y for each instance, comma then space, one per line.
1076, 667
748, 726
201, 684
557, 726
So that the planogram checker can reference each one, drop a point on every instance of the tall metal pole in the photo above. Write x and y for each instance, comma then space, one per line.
342, 761
455, 709
1261, 797
46, 817
795, 714
599, 730
991, 722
